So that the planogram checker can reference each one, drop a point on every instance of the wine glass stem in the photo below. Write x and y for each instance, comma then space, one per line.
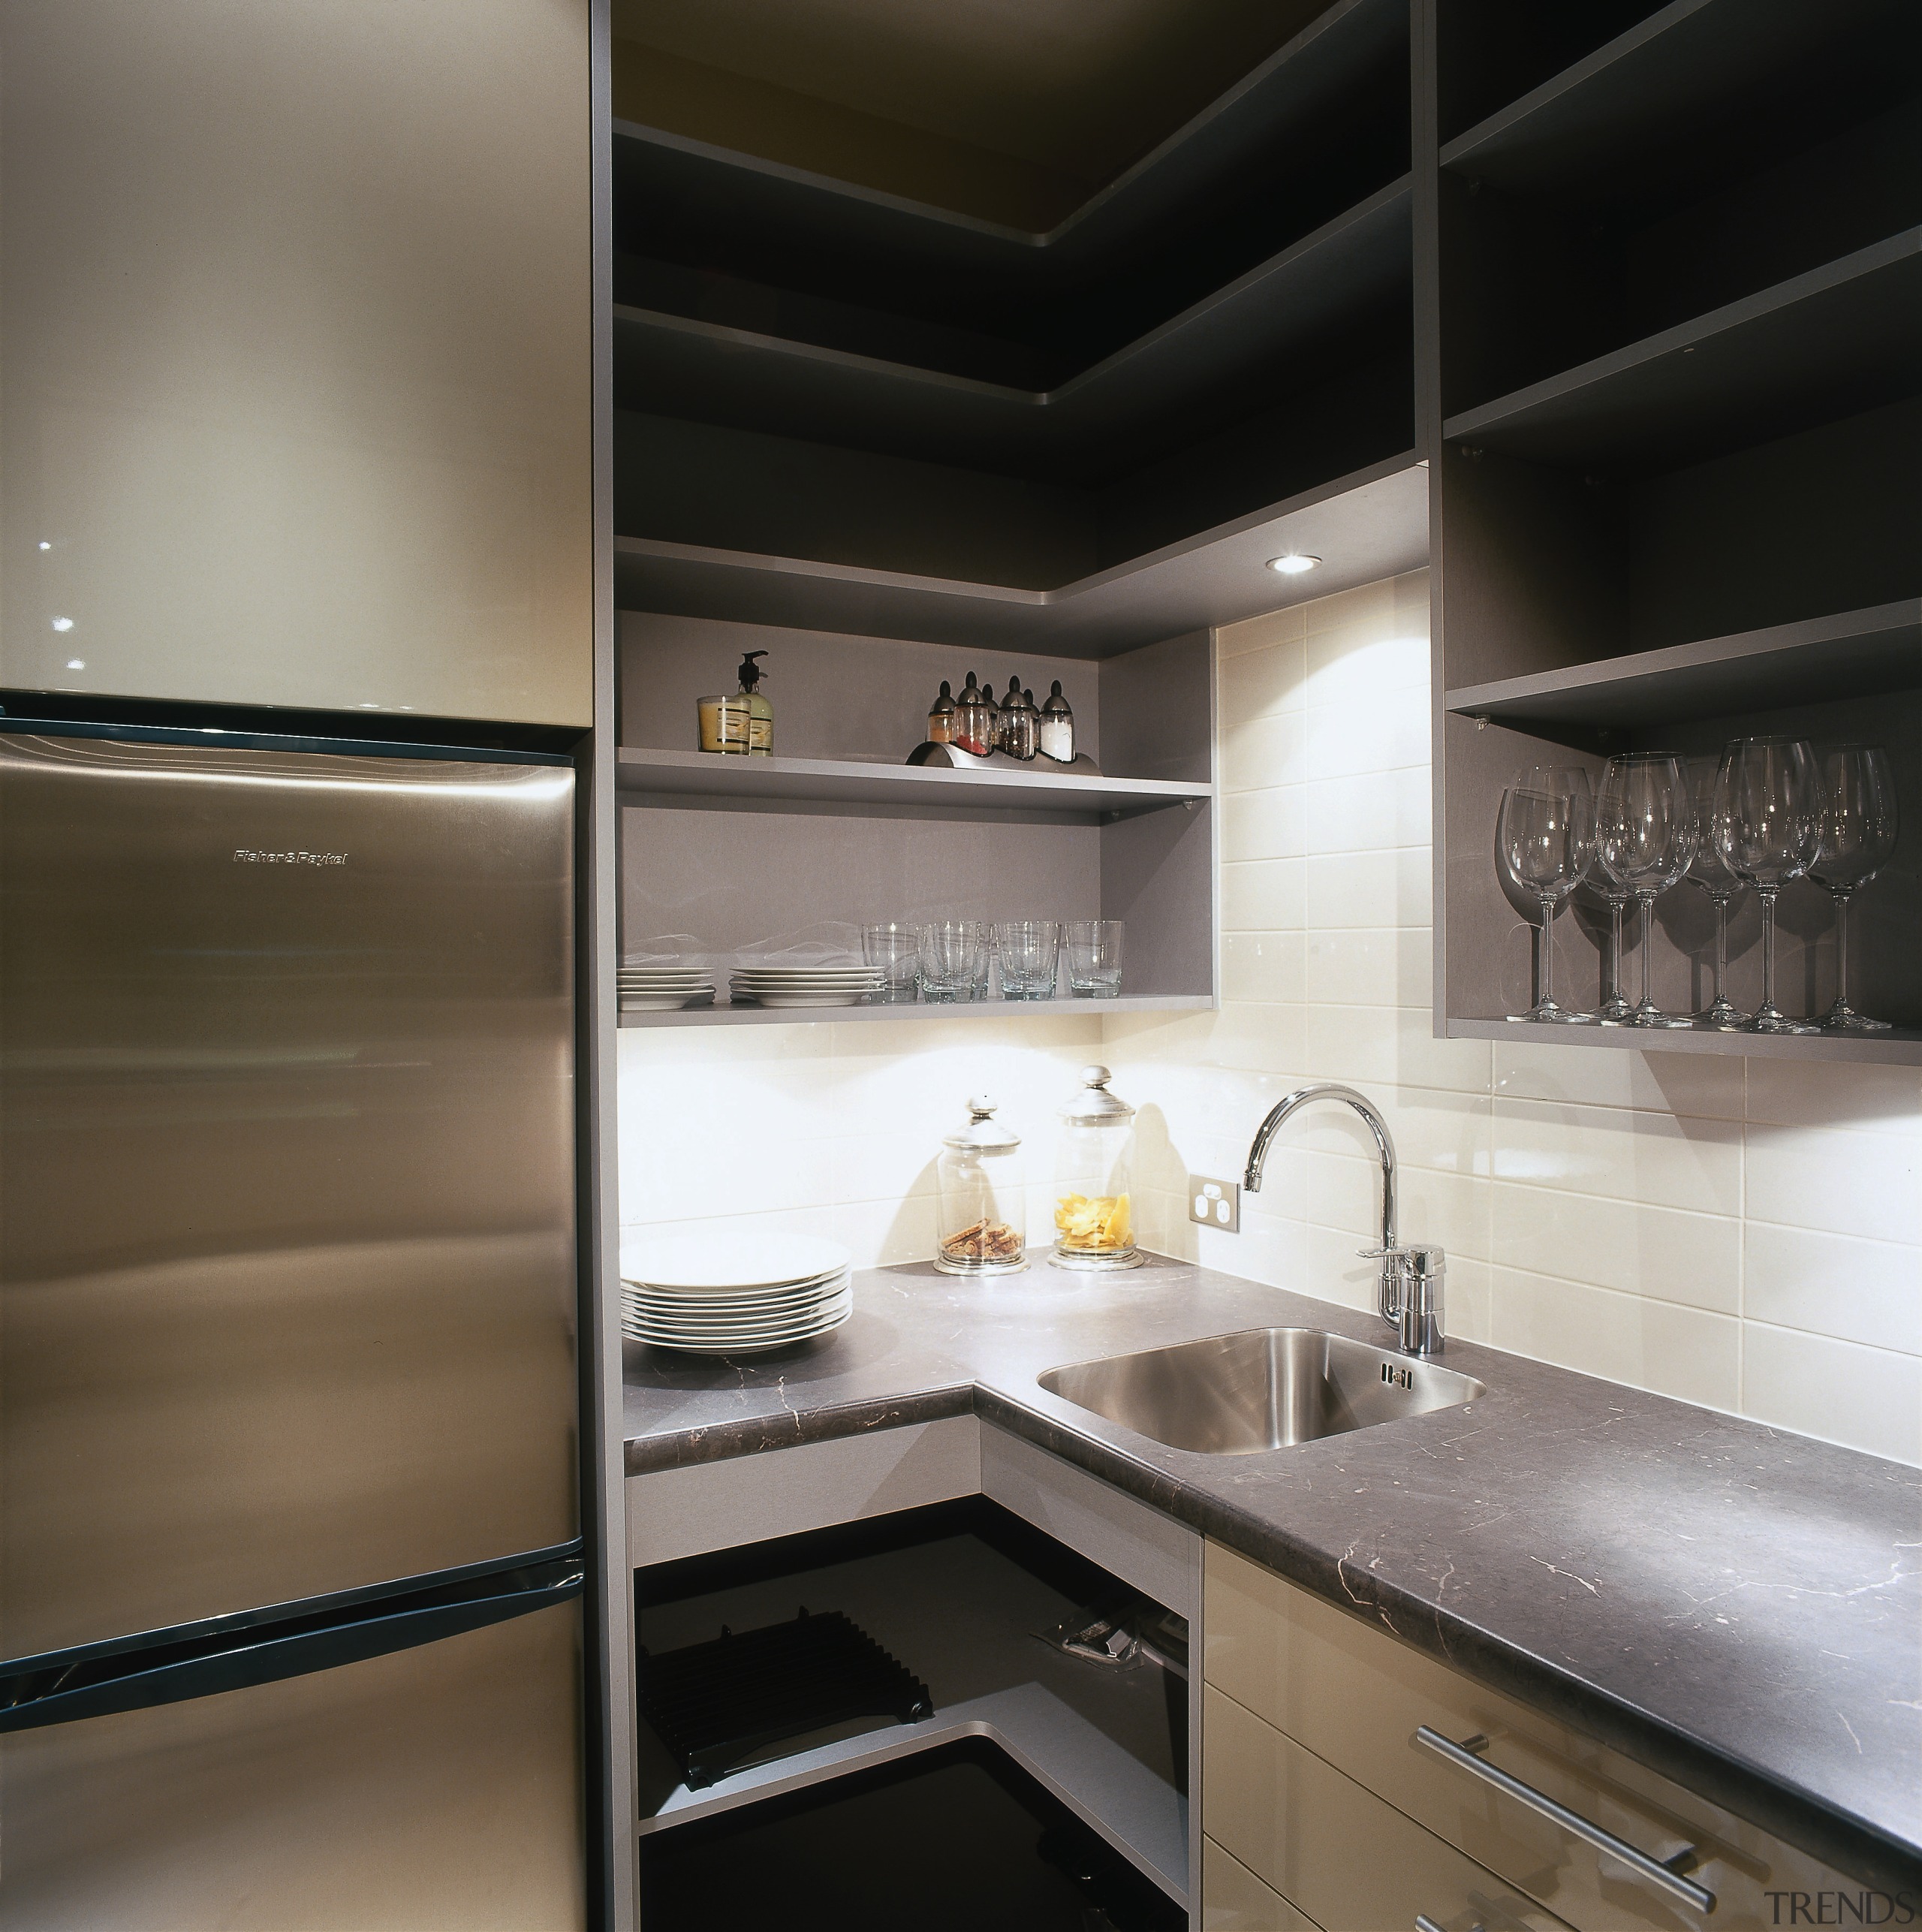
1768, 951
1648, 921
1615, 912
1841, 952
1547, 974
1721, 947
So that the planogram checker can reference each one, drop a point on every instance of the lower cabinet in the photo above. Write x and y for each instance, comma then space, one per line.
1318, 1781
1333, 1850
1234, 1900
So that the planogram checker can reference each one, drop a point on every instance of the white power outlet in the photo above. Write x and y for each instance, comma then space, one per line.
1214, 1203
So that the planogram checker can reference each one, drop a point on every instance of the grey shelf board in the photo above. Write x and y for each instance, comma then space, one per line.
1893, 1048
977, 1009
801, 210
1370, 524
1842, 337
1614, 120
1141, 1815
1853, 654
1050, 794
1354, 265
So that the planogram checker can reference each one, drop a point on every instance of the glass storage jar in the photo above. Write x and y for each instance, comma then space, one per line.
983, 1228
1094, 1202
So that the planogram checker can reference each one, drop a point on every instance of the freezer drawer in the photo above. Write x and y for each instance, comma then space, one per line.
436, 1790
288, 1259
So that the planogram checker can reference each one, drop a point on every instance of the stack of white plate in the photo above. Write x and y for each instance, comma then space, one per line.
660, 988
733, 1294
806, 986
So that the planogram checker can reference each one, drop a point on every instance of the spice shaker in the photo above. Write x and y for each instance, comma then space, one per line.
1020, 724
941, 718
973, 721
1094, 1205
983, 1228
1057, 727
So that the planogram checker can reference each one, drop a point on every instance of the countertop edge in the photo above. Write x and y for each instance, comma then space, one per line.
1750, 1790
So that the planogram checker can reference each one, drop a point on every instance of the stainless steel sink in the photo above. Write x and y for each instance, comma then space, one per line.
1264, 1388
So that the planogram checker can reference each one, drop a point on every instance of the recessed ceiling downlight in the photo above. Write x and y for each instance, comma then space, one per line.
1293, 564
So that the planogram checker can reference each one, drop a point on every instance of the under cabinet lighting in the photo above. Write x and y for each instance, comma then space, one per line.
63, 623
1293, 564
76, 663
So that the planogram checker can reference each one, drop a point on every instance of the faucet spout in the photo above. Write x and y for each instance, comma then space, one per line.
1258, 1155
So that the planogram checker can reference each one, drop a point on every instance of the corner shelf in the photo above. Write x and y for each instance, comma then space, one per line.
1900, 1048
1041, 795
768, 203
972, 1009
1856, 654
1575, 133
1280, 308
1840, 338
1371, 523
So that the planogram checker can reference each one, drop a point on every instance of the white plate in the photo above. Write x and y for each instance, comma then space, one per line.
788, 975
758, 1257
792, 1331
744, 1298
665, 1002
725, 1315
692, 984
859, 984
731, 1345
774, 1001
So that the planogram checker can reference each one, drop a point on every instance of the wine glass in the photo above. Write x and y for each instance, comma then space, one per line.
1709, 870
1768, 822
1645, 837
1857, 840
1546, 835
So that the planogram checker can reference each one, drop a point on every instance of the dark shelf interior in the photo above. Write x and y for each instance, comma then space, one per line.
1721, 149
822, 389
1678, 345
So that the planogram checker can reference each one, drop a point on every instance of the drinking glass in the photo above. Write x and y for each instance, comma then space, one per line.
1614, 1009
1768, 822
1093, 946
1030, 951
895, 948
1546, 834
1709, 870
950, 957
1644, 837
1858, 839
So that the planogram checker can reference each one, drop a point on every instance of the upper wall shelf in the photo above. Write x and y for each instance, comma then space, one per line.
1351, 266
1896, 1049
1604, 126
1842, 337
782, 211
1037, 794
915, 1009
1368, 525
1856, 654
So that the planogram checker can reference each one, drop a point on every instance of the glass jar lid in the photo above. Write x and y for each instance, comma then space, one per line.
984, 1133
1095, 1105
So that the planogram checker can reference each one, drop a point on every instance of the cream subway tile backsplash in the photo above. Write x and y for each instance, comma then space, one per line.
1818, 1386
1746, 1234
1684, 1222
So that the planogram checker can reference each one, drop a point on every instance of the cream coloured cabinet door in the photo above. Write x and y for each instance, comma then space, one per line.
295, 353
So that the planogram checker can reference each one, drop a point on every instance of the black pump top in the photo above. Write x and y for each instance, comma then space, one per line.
751, 672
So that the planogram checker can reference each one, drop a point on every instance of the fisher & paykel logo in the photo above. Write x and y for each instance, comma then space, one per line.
1842, 1908
247, 855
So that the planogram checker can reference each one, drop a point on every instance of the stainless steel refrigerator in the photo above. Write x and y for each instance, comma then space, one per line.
291, 1561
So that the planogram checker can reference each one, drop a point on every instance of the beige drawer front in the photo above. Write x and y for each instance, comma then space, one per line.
1355, 1695
1350, 1862
1234, 1900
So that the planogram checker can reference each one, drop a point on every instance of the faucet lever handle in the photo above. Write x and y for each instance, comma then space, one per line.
1394, 1262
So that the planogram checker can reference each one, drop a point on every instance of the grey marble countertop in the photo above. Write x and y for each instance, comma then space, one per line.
1738, 1608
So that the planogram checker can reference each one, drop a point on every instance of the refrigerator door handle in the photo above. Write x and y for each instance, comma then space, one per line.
56, 1693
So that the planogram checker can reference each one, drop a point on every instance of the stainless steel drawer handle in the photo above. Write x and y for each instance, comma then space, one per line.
1465, 1758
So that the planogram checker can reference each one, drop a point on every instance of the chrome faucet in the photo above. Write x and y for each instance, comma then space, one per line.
1409, 1289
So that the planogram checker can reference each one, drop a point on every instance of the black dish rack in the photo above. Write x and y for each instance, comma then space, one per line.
721, 1705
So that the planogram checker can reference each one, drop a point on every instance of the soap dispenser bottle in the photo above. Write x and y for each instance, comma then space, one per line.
741, 724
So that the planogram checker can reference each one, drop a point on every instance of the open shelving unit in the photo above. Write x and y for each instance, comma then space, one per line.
891, 442
1675, 365
961, 1614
